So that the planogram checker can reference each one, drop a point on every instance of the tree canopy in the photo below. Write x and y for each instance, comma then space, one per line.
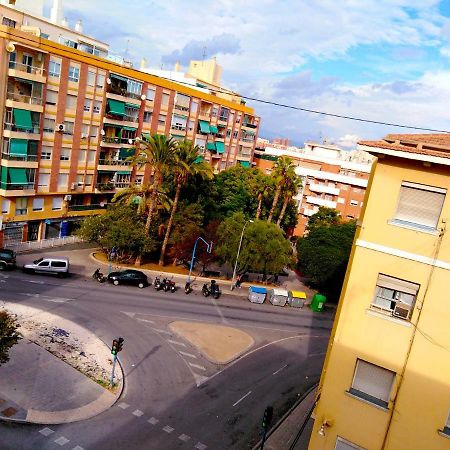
9, 335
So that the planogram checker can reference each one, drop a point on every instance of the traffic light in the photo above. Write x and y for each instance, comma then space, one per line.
268, 413
115, 347
120, 342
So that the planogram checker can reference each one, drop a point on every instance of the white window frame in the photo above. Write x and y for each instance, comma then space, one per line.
6, 205
54, 69
97, 107
21, 207
43, 180
69, 101
354, 202
57, 203
350, 445
150, 94
51, 98
65, 154
74, 74
38, 204
134, 87
46, 153
91, 75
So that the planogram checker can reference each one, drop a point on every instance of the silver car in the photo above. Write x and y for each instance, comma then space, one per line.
52, 265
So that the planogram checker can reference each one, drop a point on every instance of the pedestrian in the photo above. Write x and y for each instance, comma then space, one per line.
238, 281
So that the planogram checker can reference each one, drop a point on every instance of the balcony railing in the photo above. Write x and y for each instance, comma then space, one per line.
113, 162
181, 107
87, 207
33, 130
320, 201
116, 140
178, 127
105, 186
15, 187
130, 119
249, 125
28, 158
323, 189
122, 184
24, 98
26, 68
122, 118
123, 92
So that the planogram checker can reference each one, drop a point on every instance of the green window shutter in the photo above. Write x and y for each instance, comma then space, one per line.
18, 175
252, 133
4, 177
132, 105
213, 129
146, 136
204, 126
116, 107
18, 147
112, 125
211, 146
22, 119
199, 159
123, 172
220, 147
244, 163
126, 152
129, 128
118, 77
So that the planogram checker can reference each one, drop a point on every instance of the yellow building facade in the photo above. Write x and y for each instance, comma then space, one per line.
386, 377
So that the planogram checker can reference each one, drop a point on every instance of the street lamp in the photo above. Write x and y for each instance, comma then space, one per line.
237, 256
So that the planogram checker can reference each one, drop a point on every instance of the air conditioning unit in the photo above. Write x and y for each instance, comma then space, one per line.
73, 186
402, 310
61, 127
67, 198
83, 135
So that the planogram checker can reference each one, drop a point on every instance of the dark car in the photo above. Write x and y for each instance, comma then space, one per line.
7, 259
134, 277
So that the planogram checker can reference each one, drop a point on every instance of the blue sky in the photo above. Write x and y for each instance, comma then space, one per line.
386, 60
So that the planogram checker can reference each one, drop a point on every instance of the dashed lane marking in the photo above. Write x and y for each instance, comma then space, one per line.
61, 441
78, 448
176, 342
46, 431
138, 413
280, 369
168, 429
123, 405
242, 398
153, 421
35, 282
200, 446
184, 437
146, 321
196, 366
190, 355
158, 330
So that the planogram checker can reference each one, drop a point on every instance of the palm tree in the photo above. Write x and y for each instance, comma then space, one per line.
262, 190
293, 184
186, 165
284, 169
135, 194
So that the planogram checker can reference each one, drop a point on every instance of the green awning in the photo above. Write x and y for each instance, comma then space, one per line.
4, 176
22, 119
126, 152
115, 107
132, 105
220, 147
123, 172
129, 128
204, 126
146, 136
112, 125
199, 159
245, 163
17, 175
211, 146
18, 147
213, 129
118, 77
252, 133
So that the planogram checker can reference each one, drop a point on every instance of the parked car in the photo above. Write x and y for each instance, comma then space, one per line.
7, 259
53, 265
129, 276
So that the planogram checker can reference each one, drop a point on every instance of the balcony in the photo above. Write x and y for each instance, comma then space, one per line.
35, 129
309, 212
249, 125
323, 189
181, 109
87, 207
32, 73
29, 186
321, 201
105, 187
24, 98
21, 158
123, 92
117, 141
113, 162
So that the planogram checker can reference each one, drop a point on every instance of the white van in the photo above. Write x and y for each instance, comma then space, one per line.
52, 265
278, 297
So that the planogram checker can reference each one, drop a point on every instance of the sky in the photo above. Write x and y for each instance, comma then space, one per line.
382, 60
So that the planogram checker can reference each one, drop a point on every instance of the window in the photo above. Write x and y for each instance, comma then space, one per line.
57, 203
446, 429
12, 60
228, 133
194, 107
63, 179
91, 78
224, 112
9, 22
162, 120
134, 87
235, 134
67, 42
94, 131
151, 94
138, 179
80, 177
419, 206
191, 125
74, 74
214, 111
82, 155
46, 152
394, 296
84, 130
341, 200
71, 102
238, 119
372, 383
165, 99
356, 190
354, 202
88, 180
87, 105
147, 116
100, 80
91, 156
38, 204
54, 69
68, 128
97, 106
344, 187
5, 206
65, 154
343, 444
43, 180
49, 125
51, 98
21, 206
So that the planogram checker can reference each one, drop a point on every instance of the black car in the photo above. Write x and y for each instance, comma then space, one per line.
7, 259
130, 276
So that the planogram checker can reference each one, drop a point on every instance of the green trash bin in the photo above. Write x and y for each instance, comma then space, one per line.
318, 302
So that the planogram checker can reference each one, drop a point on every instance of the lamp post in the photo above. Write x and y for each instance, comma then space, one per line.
208, 249
239, 251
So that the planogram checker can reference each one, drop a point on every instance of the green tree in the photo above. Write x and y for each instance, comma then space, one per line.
291, 187
323, 255
9, 335
264, 248
284, 169
264, 186
325, 217
186, 164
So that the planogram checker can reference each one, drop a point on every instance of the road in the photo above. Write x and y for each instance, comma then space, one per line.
174, 397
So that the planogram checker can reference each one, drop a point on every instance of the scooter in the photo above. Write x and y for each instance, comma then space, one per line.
97, 275
157, 284
170, 286
187, 288
213, 290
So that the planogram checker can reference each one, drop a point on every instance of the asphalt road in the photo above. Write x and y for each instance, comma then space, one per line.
174, 397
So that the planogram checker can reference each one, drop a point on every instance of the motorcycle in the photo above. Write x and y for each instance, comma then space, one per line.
213, 289
187, 288
97, 275
158, 284
169, 286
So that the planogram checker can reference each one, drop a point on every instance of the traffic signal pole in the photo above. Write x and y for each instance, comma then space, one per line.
112, 373
117, 345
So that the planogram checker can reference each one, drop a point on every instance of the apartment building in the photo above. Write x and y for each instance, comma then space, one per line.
70, 115
386, 377
331, 177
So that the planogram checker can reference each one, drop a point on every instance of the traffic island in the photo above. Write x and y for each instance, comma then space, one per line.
58, 373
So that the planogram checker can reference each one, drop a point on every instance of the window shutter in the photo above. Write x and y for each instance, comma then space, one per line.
373, 380
397, 285
342, 444
38, 204
419, 204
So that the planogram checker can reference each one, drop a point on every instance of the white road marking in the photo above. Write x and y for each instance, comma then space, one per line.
2, 281
146, 321
46, 431
196, 366
3, 275
168, 429
176, 342
199, 379
61, 441
184, 437
242, 398
158, 330
123, 405
47, 298
219, 311
138, 413
200, 446
129, 314
153, 421
35, 282
317, 354
190, 355
280, 369
78, 448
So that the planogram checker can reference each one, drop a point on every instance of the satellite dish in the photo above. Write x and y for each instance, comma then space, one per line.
130, 141
143, 97
10, 47
102, 132
108, 81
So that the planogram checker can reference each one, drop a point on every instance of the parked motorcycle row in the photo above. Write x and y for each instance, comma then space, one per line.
164, 284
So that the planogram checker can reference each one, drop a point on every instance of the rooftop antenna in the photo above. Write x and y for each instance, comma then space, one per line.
126, 55
204, 53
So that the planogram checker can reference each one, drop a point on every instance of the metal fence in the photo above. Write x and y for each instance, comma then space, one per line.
22, 247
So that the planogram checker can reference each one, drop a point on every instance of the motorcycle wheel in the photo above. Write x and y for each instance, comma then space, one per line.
172, 289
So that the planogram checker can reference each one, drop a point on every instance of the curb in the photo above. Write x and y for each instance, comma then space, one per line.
286, 415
